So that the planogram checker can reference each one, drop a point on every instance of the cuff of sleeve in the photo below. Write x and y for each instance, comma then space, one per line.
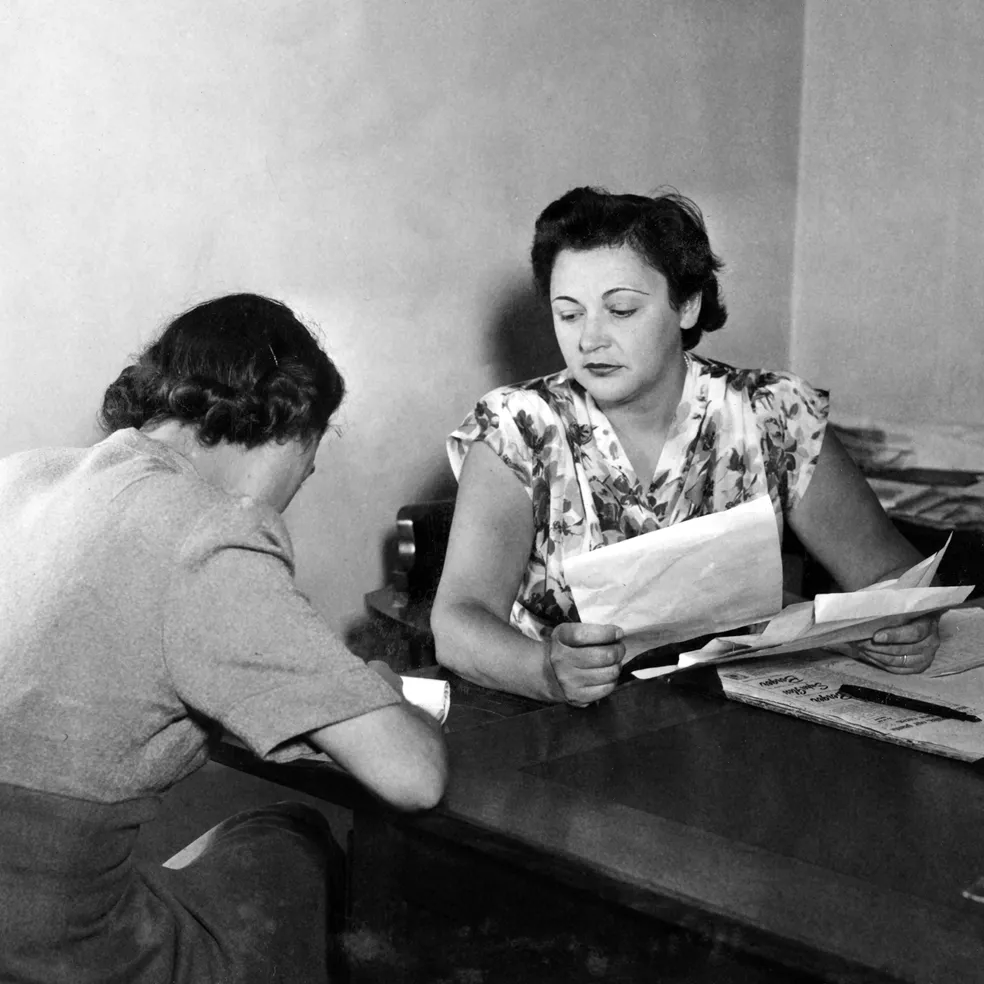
272, 723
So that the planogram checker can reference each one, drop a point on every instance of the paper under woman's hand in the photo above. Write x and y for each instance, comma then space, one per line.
907, 648
586, 660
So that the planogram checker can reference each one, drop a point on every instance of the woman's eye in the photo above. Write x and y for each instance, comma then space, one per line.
567, 315
623, 312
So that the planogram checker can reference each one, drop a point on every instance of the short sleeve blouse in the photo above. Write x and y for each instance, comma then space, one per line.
169, 608
737, 433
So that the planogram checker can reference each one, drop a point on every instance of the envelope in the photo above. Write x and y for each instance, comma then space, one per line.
706, 575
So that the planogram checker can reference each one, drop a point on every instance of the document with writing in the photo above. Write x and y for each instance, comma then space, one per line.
710, 574
808, 685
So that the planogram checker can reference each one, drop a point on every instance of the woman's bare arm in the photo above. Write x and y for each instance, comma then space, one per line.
490, 542
842, 524
396, 752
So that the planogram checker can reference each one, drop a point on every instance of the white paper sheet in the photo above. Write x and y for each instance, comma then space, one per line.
432, 696
832, 620
710, 574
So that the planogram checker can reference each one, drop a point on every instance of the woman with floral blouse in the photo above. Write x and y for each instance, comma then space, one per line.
636, 434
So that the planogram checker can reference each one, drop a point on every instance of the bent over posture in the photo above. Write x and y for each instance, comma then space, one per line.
146, 600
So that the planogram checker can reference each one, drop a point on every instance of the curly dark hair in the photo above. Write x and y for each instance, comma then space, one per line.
242, 368
667, 231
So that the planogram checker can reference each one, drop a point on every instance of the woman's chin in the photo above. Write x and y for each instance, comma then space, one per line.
606, 387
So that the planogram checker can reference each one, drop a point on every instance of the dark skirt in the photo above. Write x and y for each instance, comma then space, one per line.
259, 906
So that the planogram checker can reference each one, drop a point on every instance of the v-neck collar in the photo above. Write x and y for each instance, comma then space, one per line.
610, 447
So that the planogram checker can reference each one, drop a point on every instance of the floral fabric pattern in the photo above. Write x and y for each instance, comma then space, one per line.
737, 433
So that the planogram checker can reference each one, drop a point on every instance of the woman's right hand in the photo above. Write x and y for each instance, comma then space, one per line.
586, 660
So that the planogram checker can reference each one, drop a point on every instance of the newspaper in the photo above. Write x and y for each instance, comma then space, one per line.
807, 686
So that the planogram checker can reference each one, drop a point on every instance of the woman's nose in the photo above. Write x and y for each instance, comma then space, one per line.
593, 334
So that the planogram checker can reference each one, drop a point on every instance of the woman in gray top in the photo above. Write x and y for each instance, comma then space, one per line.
146, 600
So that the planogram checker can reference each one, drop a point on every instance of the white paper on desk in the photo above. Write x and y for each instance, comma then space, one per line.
709, 574
432, 696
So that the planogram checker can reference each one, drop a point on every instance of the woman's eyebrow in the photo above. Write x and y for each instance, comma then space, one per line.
635, 290
614, 290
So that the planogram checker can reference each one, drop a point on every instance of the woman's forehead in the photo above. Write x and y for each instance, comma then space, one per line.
603, 268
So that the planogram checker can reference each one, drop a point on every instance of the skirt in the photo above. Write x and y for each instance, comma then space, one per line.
262, 903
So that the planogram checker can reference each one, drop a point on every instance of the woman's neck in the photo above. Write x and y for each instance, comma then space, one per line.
652, 412
221, 464
643, 425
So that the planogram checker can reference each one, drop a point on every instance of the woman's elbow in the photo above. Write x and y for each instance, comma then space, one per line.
443, 625
432, 791
425, 789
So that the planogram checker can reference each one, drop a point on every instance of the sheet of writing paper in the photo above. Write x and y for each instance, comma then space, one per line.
807, 686
710, 574
835, 619
920, 576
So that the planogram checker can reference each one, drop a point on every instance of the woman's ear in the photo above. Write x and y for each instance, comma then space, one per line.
690, 311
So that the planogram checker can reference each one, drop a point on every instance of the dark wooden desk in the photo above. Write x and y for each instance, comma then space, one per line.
667, 834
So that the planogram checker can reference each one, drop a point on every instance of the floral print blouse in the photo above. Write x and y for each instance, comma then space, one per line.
736, 434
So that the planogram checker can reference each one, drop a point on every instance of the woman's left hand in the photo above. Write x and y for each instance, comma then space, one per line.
907, 648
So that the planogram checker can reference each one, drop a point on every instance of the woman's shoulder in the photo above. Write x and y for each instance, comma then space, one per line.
542, 393
533, 403
519, 422
167, 502
763, 389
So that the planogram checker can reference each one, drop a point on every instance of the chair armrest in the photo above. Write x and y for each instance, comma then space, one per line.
422, 530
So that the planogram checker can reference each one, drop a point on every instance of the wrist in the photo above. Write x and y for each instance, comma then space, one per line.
552, 689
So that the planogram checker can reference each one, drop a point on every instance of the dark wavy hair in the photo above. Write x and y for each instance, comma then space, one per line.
241, 368
667, 232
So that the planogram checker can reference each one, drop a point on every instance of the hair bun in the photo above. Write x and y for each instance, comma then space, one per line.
242, 368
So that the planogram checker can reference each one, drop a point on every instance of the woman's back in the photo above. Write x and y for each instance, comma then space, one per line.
86, 705
129, 597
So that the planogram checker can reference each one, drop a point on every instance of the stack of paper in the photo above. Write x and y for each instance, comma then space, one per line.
833, 619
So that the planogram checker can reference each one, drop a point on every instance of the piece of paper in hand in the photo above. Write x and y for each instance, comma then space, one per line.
835, 619
709, 574
432, 696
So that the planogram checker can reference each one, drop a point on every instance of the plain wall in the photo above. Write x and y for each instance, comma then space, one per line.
377, 165
889, 289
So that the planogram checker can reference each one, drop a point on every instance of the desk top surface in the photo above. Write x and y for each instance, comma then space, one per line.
819, 849
828, 851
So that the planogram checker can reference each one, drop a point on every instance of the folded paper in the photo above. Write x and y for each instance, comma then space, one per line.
432, 696
710, 574
833, 619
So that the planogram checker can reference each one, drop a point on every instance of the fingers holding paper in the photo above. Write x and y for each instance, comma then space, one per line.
586, 660
906, 648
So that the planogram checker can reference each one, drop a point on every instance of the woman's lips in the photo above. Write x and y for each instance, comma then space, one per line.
601, 368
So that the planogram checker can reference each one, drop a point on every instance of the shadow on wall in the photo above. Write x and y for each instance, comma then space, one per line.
520, 339
519, 344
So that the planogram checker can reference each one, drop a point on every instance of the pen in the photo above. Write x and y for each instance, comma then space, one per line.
907, 703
